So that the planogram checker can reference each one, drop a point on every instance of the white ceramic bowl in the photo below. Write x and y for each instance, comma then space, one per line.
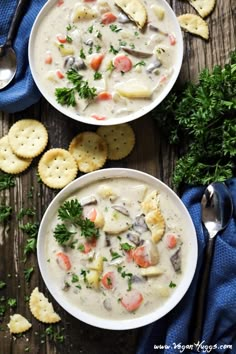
92, 319
116, 120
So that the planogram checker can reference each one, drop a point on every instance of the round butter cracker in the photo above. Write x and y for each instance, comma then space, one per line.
41, 308
9, 162
120, 140
89, 151
57, 168
203, 7
28, 138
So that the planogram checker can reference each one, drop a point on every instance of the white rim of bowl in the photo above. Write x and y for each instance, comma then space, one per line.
114, 120
93, 319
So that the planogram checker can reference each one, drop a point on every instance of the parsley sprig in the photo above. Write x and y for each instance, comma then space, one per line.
67, 95
71, 213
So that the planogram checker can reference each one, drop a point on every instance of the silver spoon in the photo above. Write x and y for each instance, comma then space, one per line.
217, 209
8, 62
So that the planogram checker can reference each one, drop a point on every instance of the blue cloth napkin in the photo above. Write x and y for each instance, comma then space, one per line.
172, 332
22, 91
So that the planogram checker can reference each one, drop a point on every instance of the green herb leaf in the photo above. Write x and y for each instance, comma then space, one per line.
114, 28
62, 234
5, 213
12, 302
28, 273
6, 181
2, 284
126, 246
97, 75
172, 285
71, 211
25, 212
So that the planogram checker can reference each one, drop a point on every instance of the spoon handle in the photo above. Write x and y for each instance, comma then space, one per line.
199, 308
20, 9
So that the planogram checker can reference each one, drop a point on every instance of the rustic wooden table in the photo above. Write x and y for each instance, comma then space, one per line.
151, 154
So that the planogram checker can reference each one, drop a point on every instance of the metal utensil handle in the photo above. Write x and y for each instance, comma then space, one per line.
16, 21
199, 309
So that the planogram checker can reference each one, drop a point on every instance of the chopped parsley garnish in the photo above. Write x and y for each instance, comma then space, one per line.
113, 50
140, 63
12, 302
124, 275
25, 212
115, 29
172, 285
98, 34
98, 48
69, 39
74, 278
5, 212
54, 335
31, 229
2, 284
97, 75
81, 247
28, 273
66, 95
82, 55
115, 255
70, 210
90, 29
126, 246
2, 310
6, 181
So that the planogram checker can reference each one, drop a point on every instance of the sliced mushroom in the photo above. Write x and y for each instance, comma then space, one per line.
156, 29
139, 224
121, 209
136, 53
123, 18
136, 279
73, 63
89, 42
134, 238
176, 261
107, 304
152, 67
88, 200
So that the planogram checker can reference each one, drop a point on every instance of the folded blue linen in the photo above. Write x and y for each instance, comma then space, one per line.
170, 335
22, 91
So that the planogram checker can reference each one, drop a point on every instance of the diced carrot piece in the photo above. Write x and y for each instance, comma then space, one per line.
141, 257
108, 280
96, 61
60, 2
92, 214
163, 79
132, 300
48, 58
60, 75
97, 117
108, 17
63, 261
104, 96
61, 38
129, 255
122, 63
172, 39
171, 240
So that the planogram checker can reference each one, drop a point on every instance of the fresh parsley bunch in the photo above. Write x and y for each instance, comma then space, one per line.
204, 116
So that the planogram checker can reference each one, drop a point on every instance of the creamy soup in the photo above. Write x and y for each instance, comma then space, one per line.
93, 59
117, 248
